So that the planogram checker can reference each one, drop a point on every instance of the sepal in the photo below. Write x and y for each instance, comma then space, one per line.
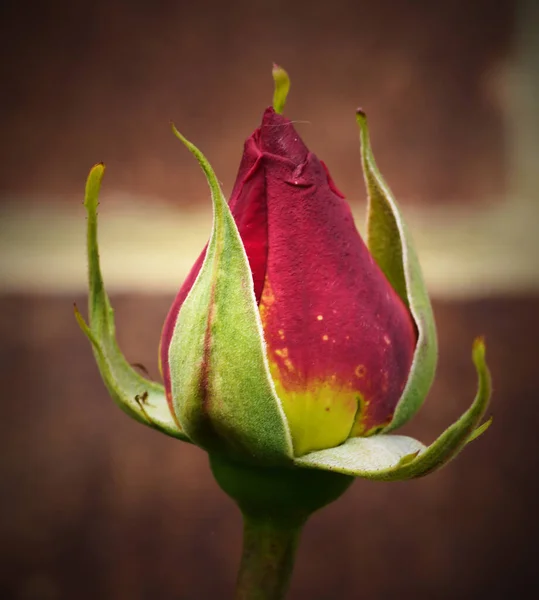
140, 398
222, 393
395, 457
391, 246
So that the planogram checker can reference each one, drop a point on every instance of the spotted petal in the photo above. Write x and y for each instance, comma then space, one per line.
396, 457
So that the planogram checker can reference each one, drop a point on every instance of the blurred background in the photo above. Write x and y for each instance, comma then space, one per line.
95, 506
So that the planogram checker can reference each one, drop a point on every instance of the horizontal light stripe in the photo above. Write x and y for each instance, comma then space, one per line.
147, 246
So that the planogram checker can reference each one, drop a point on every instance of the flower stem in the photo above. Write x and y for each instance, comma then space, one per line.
275, 501
269, 549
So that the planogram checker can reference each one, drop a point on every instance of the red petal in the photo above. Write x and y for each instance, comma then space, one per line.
248, 207
330, 316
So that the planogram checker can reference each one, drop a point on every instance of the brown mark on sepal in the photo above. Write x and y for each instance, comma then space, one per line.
142, 400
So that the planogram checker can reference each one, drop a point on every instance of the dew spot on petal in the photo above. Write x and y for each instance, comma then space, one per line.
320, 317
325, 338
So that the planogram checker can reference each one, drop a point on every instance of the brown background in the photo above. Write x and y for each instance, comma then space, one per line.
94, 505
90, 81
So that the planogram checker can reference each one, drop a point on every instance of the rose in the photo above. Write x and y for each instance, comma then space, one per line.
292, 348
291, 343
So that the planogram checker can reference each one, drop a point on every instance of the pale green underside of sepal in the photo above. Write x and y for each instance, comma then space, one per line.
140, 398
395, 457
391, 245
223, 394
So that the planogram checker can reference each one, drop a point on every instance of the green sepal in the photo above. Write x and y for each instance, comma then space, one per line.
140, 398
395, 457
392, 248
222, 391
282, 87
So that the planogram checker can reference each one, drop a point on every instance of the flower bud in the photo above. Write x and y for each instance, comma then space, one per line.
339, 340
292, 343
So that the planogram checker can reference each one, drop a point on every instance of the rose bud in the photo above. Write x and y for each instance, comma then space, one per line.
292, 342
339, 340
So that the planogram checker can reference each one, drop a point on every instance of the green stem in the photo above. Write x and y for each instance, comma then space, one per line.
275, 501
269, 549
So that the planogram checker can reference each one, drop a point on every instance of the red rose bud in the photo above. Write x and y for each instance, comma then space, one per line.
339, 340
292, 348
291, 342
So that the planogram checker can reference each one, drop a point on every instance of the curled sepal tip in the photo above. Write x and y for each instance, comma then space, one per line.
282, 87
140, 398
395, 457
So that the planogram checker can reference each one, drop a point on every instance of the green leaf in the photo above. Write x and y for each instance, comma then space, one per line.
141, 399
223, 394
395, 457
282, 87
392, 248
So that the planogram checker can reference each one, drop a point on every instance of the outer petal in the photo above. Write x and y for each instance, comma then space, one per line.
340, 340
392, 247
394, 457
222, 392
141, 399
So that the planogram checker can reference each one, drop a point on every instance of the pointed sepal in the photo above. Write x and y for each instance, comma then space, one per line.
395, 457
140, 398
391, 246
222, 392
